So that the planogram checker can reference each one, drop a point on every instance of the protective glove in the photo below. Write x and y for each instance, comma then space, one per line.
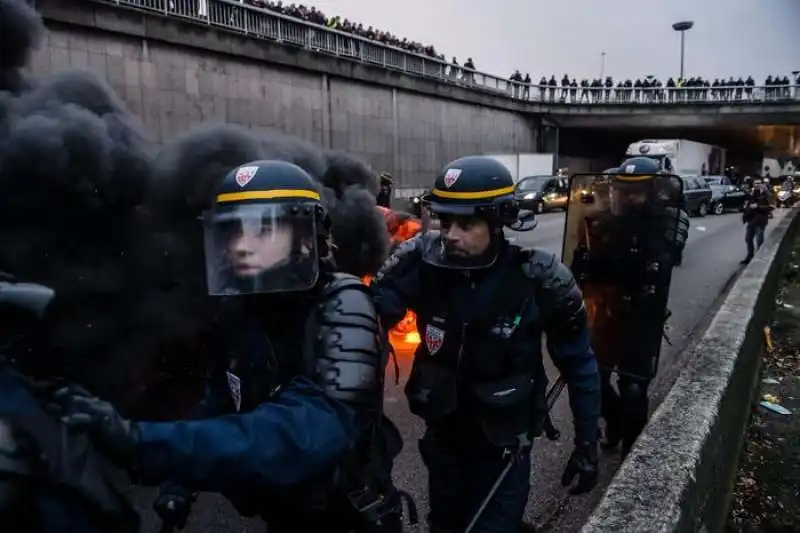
113, 436
583, 465
173, 505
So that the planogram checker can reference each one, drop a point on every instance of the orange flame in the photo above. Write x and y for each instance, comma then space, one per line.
404, 336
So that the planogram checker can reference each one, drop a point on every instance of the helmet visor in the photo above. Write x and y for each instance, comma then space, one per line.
260, 248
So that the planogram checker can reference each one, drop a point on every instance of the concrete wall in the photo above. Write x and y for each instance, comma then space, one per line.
161, 71
680, 474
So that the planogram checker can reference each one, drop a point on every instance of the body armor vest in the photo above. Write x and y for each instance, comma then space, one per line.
480, 374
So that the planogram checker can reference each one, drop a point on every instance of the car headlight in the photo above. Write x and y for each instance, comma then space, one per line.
529, 196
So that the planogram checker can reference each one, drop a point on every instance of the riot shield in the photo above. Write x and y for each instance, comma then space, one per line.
620, 240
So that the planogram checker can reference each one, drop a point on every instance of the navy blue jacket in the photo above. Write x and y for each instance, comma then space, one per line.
553, 305
298, 434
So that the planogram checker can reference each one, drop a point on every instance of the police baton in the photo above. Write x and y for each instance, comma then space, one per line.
550, 399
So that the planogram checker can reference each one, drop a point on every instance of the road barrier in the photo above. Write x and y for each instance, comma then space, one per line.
679, 475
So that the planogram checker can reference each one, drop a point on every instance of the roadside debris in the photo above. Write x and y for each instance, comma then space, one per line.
767, 488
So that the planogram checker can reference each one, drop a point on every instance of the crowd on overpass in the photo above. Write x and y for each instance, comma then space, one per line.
312, 14
646, 90
650, 89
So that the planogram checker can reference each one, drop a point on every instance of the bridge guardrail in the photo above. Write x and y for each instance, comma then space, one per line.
680, 473
263, 24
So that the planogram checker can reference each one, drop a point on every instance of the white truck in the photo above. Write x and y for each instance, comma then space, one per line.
681, 156
523, 165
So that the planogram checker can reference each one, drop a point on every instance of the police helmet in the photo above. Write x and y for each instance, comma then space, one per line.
266, 230
475, 186
640, 182
642, 166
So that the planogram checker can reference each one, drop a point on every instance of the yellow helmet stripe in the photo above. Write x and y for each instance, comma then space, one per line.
274, 194
476, 195
632, 179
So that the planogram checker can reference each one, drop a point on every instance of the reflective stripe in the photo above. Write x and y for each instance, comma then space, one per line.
623, 177
274, 194
477, 195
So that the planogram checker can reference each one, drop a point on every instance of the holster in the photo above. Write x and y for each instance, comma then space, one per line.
506, 409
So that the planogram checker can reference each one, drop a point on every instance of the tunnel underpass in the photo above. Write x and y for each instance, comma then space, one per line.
746, 145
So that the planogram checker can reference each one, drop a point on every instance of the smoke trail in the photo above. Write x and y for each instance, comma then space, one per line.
91, 208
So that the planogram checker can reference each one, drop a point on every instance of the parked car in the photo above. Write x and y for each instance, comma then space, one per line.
724, 194
542, 193
697, 195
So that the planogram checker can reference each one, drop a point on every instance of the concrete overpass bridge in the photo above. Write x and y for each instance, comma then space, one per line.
722, 116
400, 110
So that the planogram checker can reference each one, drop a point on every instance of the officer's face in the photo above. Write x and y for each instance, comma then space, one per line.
252, 250
465, 236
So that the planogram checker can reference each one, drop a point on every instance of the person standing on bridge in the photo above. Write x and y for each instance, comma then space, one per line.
478, 379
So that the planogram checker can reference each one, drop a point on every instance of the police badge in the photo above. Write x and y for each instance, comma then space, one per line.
434, 338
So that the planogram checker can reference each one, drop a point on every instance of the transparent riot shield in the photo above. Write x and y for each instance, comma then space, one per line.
621, 237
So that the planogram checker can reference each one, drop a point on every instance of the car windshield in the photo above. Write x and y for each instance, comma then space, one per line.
535, 183
713, 180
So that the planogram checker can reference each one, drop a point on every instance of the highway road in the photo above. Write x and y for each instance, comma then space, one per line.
711, 260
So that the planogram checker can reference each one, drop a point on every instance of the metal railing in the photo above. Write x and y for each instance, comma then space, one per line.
261, 23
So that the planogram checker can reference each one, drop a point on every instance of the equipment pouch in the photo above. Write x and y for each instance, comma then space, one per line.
506, 408
432, 390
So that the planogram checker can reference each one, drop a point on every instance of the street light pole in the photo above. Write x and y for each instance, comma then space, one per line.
602, 64
683, 27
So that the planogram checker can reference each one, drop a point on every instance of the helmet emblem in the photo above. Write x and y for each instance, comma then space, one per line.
630, 169
245, 174
451, 176
643, 149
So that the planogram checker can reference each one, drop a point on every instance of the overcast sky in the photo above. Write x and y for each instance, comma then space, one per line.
544, 37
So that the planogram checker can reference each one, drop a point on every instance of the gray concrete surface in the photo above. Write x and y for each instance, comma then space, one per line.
706, 115
173, 74
712, 257
679, 475
171, 88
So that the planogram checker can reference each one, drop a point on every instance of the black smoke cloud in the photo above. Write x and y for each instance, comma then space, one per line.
21, 30
89, 206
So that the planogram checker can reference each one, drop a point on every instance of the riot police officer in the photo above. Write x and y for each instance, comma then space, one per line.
632, 237
478, 378
304, 442
50, 479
